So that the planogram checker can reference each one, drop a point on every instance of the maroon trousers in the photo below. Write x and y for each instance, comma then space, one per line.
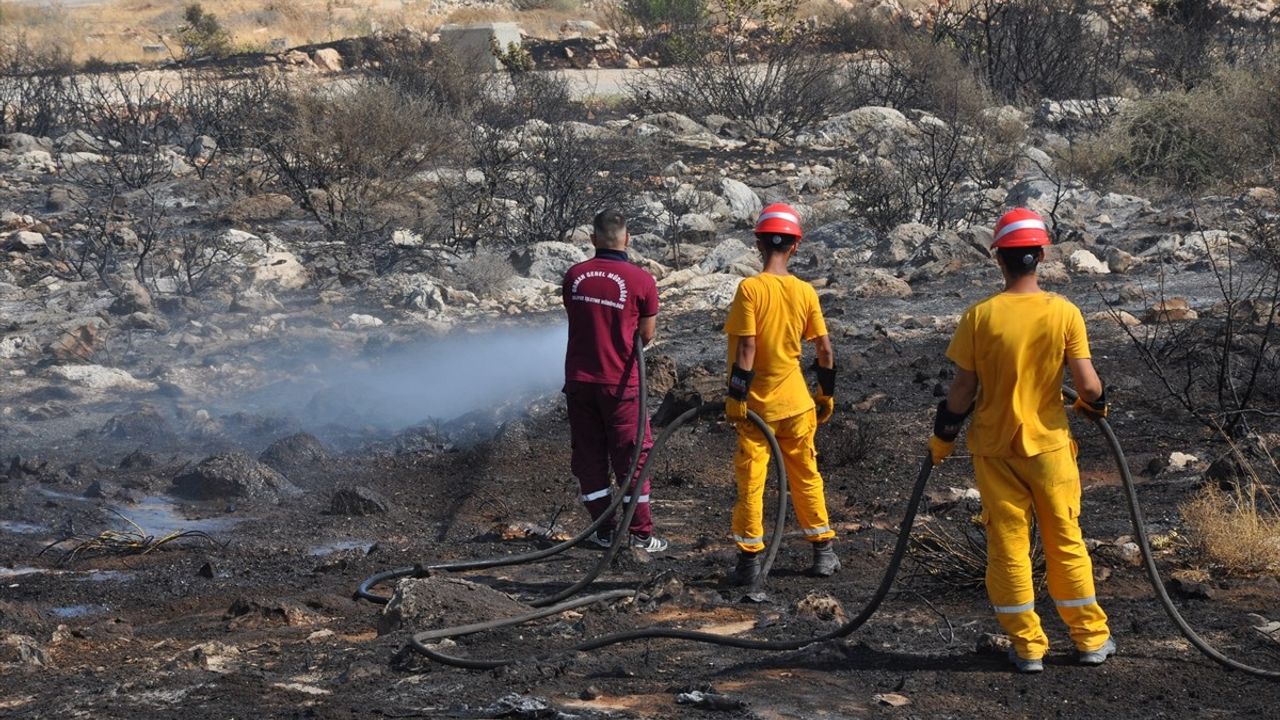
603, 430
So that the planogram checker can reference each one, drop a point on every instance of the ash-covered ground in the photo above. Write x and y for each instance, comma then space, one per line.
340, 453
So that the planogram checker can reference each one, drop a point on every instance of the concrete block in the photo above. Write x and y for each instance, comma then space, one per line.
474, 44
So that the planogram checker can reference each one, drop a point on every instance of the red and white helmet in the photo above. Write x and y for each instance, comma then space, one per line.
778, 219
1020, 228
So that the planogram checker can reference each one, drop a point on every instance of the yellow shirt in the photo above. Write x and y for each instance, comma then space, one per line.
780, 311
1017, 344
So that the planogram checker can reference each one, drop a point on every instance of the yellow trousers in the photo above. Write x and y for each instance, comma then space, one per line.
1048, 484
751, 466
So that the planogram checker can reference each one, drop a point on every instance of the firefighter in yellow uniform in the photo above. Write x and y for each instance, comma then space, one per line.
771, 315
1009, 351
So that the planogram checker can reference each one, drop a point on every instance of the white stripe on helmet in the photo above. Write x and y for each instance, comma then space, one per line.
780, 214
1020, 225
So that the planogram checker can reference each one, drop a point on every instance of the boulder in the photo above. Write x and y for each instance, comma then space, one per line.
696, 228
1084, 262
255, 302
327, 59
18, 346
25, 241
875, 282
725, 256
297, 450
357, 501
281, 269
473, 45
744, 204
22, 142
674, 123
420, 603
21, 651
77, 341
131, 297
412, 291
1077, 114
871, 128
1119, 261
97, 377
1170, 310
901, 243
843, 234
547, 261
232, 475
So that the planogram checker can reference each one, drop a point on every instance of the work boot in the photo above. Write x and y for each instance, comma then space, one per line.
748, 568
825, 561
1023, 665
1099, 656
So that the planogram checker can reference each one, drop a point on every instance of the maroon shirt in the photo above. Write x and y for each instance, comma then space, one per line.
605, 297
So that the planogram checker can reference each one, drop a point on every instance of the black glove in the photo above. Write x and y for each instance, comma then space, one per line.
946, 424
827, 381
735, 406
740, 382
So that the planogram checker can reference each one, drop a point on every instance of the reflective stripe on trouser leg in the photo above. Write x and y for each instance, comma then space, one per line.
795, 437
1006, 513
1054, 479
750, 468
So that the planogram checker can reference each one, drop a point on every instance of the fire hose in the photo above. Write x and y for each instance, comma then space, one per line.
422, 642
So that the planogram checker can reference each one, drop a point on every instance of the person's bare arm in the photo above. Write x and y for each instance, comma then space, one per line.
1085, 378
964, 388
746, 358
826, 354
648, 329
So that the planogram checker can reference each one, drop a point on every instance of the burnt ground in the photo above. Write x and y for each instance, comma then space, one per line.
264, 624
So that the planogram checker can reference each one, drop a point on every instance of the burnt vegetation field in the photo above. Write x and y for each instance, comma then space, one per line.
273, 322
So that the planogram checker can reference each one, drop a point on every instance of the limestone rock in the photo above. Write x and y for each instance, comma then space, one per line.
1171, 310
1084, 262
876, 282
25, 241
327, 59
97, 377
1119, 261
547, 261
744, 204
281, 269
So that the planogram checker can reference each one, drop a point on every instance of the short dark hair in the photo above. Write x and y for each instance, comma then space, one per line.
609, 225
775, 243
1020, 261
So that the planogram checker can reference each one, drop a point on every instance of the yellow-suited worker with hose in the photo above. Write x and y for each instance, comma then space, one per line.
772, 314
1009, 351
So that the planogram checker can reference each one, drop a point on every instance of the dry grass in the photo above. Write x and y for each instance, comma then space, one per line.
1237, 533
131, 541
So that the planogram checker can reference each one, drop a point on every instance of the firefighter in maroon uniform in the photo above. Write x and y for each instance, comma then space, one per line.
607, 299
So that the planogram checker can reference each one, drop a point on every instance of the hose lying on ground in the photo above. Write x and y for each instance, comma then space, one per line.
421, 642
1153, 573
365, 590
